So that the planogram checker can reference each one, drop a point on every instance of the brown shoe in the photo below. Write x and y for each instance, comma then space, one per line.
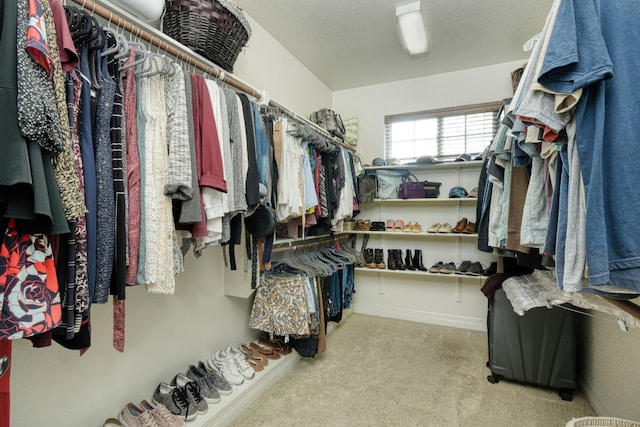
470, 228
460, 226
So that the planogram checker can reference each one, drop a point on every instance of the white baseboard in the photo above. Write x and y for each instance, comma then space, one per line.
229, 407
422, 316
593, 398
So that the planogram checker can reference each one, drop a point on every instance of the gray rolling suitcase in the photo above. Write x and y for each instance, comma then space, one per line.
538, 348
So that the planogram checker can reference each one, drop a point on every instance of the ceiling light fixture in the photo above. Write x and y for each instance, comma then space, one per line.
412, 28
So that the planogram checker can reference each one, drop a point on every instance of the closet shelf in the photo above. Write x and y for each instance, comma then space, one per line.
418, 235
418, 273
429, 166
427, 202
308, 239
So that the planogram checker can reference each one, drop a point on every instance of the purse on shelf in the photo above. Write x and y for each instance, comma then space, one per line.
431, 189
411, 188
389, 181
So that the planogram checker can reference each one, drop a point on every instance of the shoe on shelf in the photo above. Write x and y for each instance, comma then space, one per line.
417, 260
379, 258
193, 392
399, 261
241, 362
256, 361
207, 389
399, 225
445, 228
470, 228
463, 267
435, 268
460, 226
362, 225
111, 422
407, 227
176, 400
416, 228
448, 268
391, 225
434, 228
377, 226
369, 259
162, 416
475, 269
214, 377
226, 367
266, 350
492, 269
132, 416
392, 261
408, 261
276, 345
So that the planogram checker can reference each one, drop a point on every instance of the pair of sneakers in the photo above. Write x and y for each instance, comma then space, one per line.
232, 364
184, 401
148, 415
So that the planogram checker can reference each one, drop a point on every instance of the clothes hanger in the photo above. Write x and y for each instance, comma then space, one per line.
154, 68
110, 33
138, 48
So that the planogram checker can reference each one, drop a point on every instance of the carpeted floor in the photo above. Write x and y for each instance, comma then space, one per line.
385, 372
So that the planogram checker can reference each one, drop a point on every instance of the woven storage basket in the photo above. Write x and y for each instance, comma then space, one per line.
215, 29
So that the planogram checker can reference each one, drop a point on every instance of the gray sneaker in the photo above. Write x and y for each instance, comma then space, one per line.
216, 377
176, 401
207, 389
193, 392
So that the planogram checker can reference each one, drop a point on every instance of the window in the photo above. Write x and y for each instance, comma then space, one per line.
443, 134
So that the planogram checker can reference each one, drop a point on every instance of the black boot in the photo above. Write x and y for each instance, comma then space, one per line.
417, 260
369, 258
408, 261
379, 258
399, 260
392, 261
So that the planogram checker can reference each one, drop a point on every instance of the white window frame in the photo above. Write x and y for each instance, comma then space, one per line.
439, 115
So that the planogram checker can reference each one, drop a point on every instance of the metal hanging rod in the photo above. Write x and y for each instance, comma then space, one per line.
183, 53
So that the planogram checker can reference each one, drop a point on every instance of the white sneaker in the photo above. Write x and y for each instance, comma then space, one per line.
226, 367
241, 362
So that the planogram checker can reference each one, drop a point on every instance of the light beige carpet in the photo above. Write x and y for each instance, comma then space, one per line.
385, 372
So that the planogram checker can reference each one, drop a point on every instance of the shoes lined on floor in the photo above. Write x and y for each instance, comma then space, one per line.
190, 394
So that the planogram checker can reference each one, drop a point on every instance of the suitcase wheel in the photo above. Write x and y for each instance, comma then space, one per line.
566, 394
493, 379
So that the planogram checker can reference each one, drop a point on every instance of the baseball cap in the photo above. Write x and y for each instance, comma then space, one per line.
457, 193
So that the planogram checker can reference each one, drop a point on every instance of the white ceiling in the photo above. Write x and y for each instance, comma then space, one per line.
353, 43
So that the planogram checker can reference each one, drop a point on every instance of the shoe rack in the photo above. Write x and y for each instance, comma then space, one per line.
441, 298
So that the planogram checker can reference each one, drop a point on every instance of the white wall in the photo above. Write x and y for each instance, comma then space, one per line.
164, 334
267, 65
371, 103
609, 368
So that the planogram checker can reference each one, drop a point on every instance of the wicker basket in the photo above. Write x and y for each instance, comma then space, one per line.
215, 29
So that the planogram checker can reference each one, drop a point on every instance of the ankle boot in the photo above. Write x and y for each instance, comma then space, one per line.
399, 260
392, 261
417, 260
369, 258
379, 258
408, 261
